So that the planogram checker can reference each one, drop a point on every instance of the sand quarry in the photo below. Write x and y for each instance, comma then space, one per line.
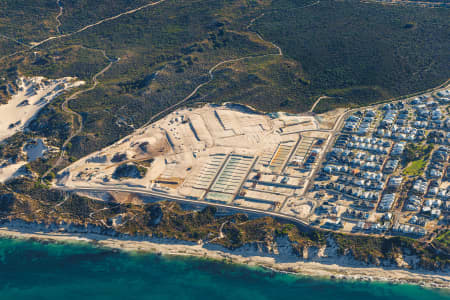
205, 153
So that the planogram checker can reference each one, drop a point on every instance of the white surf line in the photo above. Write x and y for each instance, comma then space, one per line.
58, 25
36, 44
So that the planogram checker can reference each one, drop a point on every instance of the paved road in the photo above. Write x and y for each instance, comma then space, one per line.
330, 141
164, 196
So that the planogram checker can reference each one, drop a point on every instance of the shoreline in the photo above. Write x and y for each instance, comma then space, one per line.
242, 257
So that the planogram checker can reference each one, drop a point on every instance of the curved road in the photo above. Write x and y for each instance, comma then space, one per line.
317, 102
211, 77
168, 197
60, 36
214, 68
58, 22
66, 109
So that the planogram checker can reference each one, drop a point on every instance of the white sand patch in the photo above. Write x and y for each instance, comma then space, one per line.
35, 149
10, 171
33, 94
187, 149
283, 262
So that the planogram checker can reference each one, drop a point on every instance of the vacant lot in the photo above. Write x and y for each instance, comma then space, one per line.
415, 168
355, 52
361, 52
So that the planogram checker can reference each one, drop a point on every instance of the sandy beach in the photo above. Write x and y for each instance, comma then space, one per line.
279, 263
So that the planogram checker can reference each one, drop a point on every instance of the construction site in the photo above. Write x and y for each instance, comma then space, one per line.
219, 154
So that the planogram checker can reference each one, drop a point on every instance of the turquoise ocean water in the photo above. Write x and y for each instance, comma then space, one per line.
33, 270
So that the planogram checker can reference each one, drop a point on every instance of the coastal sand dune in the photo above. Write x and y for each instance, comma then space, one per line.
33, 94
282, 262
